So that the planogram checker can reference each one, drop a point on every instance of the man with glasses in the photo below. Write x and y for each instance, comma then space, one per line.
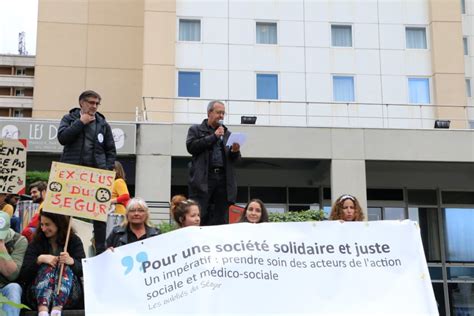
212, 181
88, 141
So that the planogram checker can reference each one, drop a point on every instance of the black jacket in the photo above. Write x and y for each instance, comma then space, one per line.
118, 237
199, 143
71, 136
35, 249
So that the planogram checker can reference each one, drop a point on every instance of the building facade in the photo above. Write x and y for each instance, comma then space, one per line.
17, 74
346, 94
399, 64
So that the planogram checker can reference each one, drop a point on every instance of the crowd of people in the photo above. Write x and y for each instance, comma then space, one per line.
34, 257
42, 268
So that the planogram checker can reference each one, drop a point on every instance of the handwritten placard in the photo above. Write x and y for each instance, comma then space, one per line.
12, 166
79, 191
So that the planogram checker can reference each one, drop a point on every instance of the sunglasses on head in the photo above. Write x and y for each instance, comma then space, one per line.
347, 196
188, 201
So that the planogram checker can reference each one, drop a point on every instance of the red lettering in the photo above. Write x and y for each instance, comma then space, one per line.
67, 202
70, 174
102, 208
56, 199
83, 176
110, 180
91, 178
61, 174
102, 179
75, 189
79, 205
90, 207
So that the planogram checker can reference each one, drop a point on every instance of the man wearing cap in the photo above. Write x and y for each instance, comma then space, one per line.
12, 251
88, 141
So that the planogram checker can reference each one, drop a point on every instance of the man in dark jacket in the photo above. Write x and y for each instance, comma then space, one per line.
212, 181
88, 141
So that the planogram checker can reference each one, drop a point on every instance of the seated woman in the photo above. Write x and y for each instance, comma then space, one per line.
41, 266
185, 212
346, 208
136, 226
254, 212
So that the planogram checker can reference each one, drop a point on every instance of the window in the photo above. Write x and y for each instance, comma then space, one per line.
19, 92
189, 30
416, 37
341, 35
419, 90
17, 113
189, 84
468, 88
343, 88
463, 6
427, 218
267, 33
267, 86
459, 222
20, 71
466, 46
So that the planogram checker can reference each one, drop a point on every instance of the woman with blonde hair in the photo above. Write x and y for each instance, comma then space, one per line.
347, 208
185, 212
136, 226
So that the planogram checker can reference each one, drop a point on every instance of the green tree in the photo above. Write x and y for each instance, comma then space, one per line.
36, 175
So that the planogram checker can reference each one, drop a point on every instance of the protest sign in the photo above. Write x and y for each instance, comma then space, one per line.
317, 268
12, 166
79, 191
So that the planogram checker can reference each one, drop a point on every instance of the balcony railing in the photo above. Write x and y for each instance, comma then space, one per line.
308, 114
17, 81
16, 102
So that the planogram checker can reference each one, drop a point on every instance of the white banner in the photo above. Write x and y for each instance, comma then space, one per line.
319, 268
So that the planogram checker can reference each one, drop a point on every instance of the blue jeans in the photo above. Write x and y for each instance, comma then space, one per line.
11, 291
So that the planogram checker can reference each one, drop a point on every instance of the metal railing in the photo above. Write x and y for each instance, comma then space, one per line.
308, 114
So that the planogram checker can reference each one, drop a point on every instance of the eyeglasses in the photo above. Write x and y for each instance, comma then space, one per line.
138, 210
93, 102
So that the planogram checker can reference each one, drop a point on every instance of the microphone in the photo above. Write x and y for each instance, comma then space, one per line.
221, 122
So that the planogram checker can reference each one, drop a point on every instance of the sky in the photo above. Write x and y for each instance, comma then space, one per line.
18, 16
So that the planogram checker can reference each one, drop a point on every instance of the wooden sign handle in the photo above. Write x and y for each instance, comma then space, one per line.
65, 249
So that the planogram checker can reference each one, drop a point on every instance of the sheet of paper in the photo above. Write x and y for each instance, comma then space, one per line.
239, 138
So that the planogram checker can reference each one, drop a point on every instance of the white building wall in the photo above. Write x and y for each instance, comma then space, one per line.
229, 59
468, 31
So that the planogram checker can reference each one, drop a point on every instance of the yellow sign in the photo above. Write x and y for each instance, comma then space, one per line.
79, 191
12, 166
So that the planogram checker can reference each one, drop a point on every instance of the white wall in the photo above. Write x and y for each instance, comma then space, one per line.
229, 58
468, 31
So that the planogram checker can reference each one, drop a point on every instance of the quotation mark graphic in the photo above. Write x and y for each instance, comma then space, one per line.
127, 261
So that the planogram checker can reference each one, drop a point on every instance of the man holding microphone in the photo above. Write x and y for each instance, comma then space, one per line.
212, 181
